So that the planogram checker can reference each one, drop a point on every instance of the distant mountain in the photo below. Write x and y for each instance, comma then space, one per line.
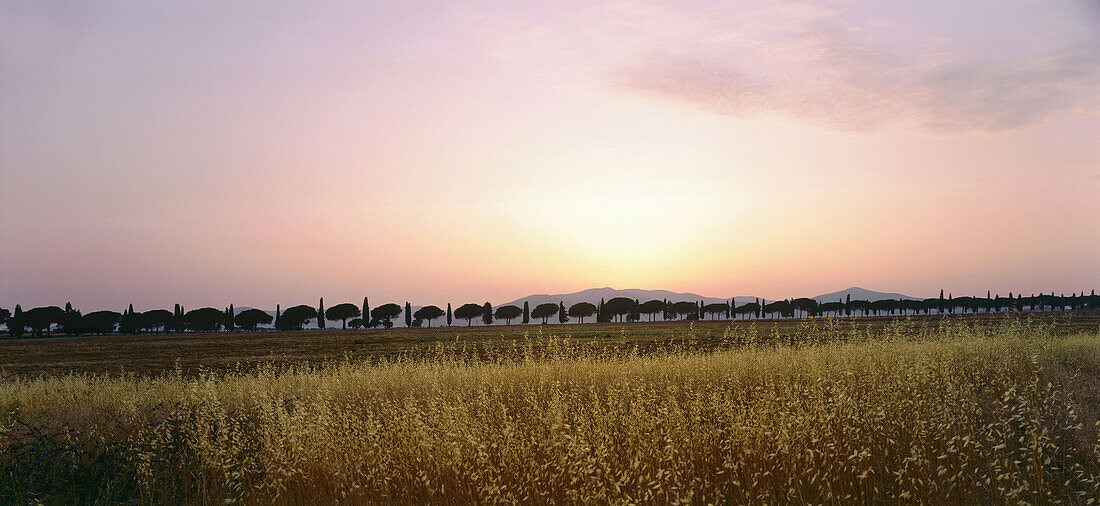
594, 295
858, 293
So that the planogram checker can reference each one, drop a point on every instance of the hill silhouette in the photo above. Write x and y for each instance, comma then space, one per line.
858, 293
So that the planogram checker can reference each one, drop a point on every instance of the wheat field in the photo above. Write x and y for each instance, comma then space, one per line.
905, 413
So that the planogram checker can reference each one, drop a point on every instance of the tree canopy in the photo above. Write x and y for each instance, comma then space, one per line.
428, 313
508, 313
385, 312
205, 319
582, 310
468, 312
251, 318
544, 311
295, 318
342, 312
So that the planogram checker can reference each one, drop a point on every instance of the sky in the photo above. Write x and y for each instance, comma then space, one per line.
262, 153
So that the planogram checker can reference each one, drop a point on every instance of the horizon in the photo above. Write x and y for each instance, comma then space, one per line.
188, 153
139, 307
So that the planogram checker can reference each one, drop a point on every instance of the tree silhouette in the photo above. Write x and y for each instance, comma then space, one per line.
229, 314
581, 310
157, 319
321, 314
355, 323
207, 319
16, 324
683, 308
365, 313
250, 318
408, 314
526, 313
449, 315
468, 312
70, 323
100, 322
127, 323
385, 314
278, 318
508, 313
342, 312
651, 308
5, 315
487, 314
563, 316
715, 310
617, 307
545, 311
428, 313
40, 319
294, 318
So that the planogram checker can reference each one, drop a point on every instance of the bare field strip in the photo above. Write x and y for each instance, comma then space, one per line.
194, 353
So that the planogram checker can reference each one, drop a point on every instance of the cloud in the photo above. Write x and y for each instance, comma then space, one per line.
817, 72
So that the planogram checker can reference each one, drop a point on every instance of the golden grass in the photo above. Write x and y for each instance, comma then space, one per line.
948, 413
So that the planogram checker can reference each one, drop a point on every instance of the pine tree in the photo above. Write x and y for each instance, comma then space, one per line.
487, 314
526, 313
448, 314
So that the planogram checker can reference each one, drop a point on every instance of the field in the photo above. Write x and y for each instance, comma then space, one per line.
976, 410
193, 354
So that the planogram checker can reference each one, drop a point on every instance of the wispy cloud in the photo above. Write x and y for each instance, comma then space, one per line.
817, 66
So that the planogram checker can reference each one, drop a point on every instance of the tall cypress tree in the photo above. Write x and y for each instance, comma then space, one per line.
366, 314
448, 314
526, 313
408, 314
321, 314
562, 316
229, 318
278, 314
15, 324
487, 314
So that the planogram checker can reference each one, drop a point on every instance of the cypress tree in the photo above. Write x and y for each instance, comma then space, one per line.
277, 315
408, 314
15, 324
321, 314
448, 314
526, 313
229, 318
366, 314
562, 317
487, 314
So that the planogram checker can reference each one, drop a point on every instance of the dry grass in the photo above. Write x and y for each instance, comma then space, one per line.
903, 413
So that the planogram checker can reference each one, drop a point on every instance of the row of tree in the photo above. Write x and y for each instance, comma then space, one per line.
43, 320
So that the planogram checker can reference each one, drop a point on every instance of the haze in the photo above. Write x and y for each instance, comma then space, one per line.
260, 153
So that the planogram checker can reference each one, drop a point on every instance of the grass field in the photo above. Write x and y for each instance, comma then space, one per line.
978, 410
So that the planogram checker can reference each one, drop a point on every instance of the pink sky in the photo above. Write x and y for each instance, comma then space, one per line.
219, 152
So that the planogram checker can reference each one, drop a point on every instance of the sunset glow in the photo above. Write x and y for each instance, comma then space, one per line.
210, 153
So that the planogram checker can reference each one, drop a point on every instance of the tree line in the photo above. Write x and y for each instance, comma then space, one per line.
44, 320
